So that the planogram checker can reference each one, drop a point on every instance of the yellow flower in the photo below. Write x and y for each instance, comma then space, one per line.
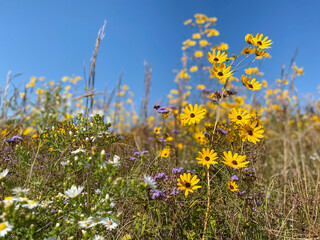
261, 54
247, 50
198, 54
164, 153
253, 71
220, 71
207, 157
22, 95
249, 38
261, 43
232, 186
187, 22
218, 57
193, 69
239, 116
298, 71
192, 115
204, 43
234, 161
200, 138
251, 84
212, 32
251, 132
157, 130
196, 36
64, 79
187, 184
201, 86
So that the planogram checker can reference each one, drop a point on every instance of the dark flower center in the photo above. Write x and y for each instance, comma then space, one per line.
234, 162
259, 42
239, 117
220, 74
250, 85
192, 115
188, 185
250, 132
231, 186
207, 158
216, 59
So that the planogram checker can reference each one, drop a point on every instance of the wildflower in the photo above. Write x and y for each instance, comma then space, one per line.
150, 182
261, 53
5, 227
31, 204
200, 138
222, 131
249, 38
156, 130
220, 71
204, 43
262, 44
253, 71
193, 69
232, 186
234, 161
157, 194
207, 157
177, 170
165, 152
98, 237
247, 50
110, 224
218, 57
192, 115
239, 116
186, 183
78, 150
298, 71
115, 161
235, 178
4, 173
86, 223
251, 84
73, 191
251, 132
187, 22
198, 54
19, 191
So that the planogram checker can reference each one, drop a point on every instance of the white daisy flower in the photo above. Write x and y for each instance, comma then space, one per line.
78, 150
95, 220
115, 161
5, 227
150, 182
98, 237
31, 204
9, 200
19, 191
97, 191
73, 191
85, 223
109, 224
4, 173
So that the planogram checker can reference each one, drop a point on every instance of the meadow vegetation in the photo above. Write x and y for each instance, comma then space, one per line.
226, 155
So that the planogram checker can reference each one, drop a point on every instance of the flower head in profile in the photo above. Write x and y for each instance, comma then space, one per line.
207, 157
73, 191
150, 182
187, 184
4, 173
261, 42
251, 84
221, 71
249, 38
239, 116
232, 186
252, 131
192, 115
261, 54
5, 227
234, 161
247, 50
31, 204
217, 57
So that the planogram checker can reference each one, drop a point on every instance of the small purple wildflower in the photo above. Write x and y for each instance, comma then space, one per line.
235, 178
163, 110
175, 190
206, 134
157, 194
177, 170
222, 131
160, 175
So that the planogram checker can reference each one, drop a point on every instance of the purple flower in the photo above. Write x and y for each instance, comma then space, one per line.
161, 139
242, 192
206, 134
160, 175
172, 106
175, 190
235, 177
175, 131
132, 158
150, 138
214, 100
157, 193
177, 170
14, 139
163, 110
144, 152
222, 131
136, 154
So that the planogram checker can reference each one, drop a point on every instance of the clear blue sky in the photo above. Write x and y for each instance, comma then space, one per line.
54, 38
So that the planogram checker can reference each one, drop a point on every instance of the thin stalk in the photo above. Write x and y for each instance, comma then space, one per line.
208, 207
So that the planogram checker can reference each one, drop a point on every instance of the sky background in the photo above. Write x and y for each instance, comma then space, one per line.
55, 38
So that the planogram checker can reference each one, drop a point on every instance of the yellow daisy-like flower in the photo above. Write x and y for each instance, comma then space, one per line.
252, 132
187, 184
234, 161
221, 71
261, 43
232, 186
187, 22
247, 50
198, 54
156, 130
249, 38
200, 138
251, 84
261, 54
193, 69
204, 43
207, 157
253, 71
164, 153
218, 57
298, 71
192, 115
239, 116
